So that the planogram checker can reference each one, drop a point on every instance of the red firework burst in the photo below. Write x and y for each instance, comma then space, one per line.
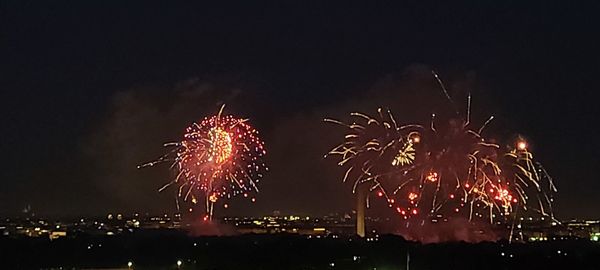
218, 158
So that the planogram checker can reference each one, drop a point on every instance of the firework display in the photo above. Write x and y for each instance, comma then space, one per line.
218, 158
442, 168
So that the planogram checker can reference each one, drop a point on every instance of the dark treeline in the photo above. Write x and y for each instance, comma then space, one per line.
161, 249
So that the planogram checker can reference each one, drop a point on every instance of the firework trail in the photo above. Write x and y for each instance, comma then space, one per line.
442, 167
219, 157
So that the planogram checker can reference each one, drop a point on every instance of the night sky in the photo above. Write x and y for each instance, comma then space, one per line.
89, 91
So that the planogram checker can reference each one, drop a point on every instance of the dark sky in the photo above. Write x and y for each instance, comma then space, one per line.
89, 91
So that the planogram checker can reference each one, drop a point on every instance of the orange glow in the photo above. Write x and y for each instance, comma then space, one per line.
412, 196
415, 138
522, 145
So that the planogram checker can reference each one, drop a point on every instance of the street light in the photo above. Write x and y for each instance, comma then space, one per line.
179, 263
129, 264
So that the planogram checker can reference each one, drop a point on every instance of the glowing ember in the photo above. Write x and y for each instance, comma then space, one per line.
432, 177
522, 145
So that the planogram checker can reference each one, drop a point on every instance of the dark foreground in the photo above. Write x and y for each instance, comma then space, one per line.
161, 249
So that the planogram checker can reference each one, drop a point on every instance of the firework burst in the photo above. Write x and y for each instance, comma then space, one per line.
442, 168
218, 158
